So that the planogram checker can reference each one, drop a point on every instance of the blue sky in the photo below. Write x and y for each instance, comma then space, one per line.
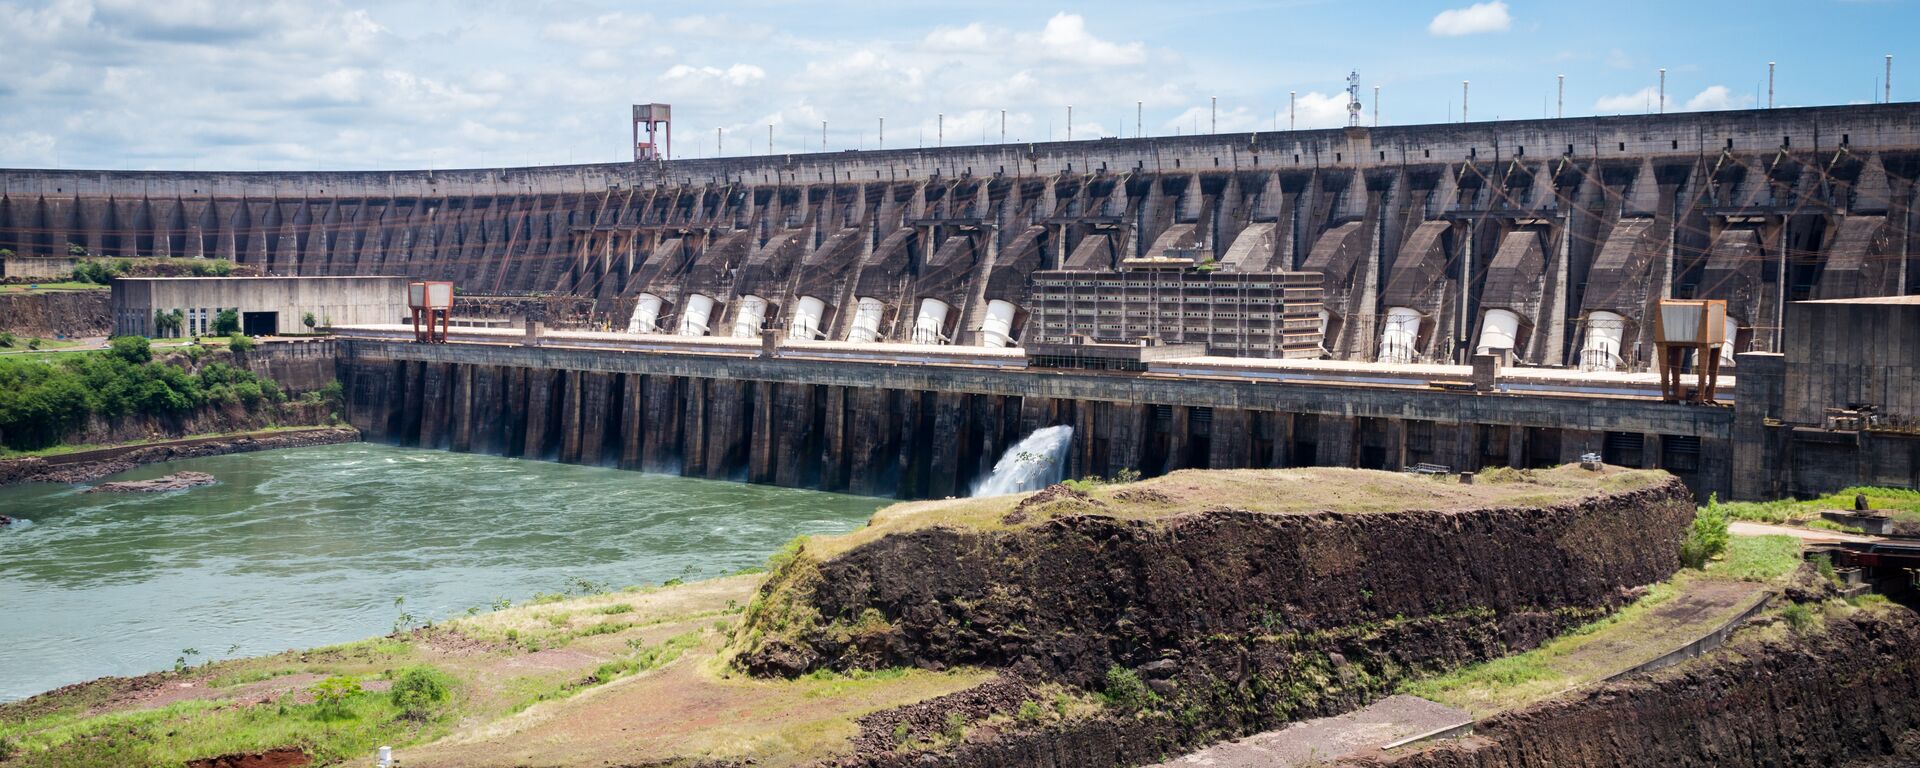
324, 84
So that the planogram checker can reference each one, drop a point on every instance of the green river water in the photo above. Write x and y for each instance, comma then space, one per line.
312, 546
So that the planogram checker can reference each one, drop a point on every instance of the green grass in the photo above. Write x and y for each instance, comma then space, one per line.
1512, 681
1904, 504
189, 730
1757, 558
62, 450
55, 285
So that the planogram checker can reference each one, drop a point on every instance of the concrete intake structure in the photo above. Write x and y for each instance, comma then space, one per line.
1551, 221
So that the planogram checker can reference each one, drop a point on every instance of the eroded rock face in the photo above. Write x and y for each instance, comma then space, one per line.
1079, 594
1229, 622
1849, 692
178, 481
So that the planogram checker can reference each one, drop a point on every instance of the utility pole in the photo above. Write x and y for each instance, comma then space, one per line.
823, 135
940, 129
1003, 126
1353, 99
1069, 122
1769, 85
1663, 90
1560, 103
1463, 101
1376, 106
1889, 78
1290, 110
1213, 115
880, 141
769, 138
719, 134
1138, 112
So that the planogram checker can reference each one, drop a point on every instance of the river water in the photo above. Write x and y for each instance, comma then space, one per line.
312, 546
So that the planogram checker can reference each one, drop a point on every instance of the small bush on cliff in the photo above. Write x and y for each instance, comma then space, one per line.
133, 349
7, 339
1708, 537
332, 696
1126, 691
420, 691
240, 342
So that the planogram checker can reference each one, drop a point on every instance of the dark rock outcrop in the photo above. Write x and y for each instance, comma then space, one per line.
56, 313
178, 481
1845, 694
34, 469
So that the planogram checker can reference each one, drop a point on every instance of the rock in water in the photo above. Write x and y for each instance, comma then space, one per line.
4, 520
178, 481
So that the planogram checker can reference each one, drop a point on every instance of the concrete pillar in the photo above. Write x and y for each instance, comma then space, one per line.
461, 438
1232, 440
570, 421
694, 432
632, 417
660, 447
952, 432
729, 424
540, 407
762, 458
596, 417
869, 440
834, 464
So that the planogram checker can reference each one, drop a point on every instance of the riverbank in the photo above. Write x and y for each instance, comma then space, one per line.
90, 465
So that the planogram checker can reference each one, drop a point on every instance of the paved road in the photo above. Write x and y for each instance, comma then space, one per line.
1744, 528
1317, 741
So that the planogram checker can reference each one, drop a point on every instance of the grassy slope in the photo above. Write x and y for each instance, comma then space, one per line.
536, 669
637, 676
1668, 616
1904, 504
1271, 491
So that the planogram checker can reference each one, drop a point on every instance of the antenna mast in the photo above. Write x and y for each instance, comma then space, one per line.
1353, 99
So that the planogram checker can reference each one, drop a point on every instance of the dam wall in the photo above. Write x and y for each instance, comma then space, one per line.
1545, 222
930, 431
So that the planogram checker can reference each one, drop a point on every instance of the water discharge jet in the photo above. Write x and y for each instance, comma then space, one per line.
1037, 461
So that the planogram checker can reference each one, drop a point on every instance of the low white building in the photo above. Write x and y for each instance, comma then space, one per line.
265, 305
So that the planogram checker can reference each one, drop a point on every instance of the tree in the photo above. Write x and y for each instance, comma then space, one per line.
133, 349
76, 249
308, 320
226, 323
240, 342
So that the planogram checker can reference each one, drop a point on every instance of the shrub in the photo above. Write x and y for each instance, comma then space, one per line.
7, 339
76, 249
420, 691
133, 349
308, 320
332, 695
226, 323
1126, 691
33, 343
1708, 537
1798, 616
955, 727
5, 253
1030, 712
240, 342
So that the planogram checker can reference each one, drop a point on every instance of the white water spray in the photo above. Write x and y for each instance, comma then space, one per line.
1037, 461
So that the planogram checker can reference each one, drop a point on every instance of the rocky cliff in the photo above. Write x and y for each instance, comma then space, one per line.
52, 314
1227, 621
1844, 692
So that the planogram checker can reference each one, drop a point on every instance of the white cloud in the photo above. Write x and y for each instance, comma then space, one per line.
1471, 20
31, 149
1717, 97
972, 37
1066, 38
736, 75
1648, 100
1644, 100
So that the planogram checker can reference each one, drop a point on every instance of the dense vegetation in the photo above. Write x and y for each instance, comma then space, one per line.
41, 401
103, 271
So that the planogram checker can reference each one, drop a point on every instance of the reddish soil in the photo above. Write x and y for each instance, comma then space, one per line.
287, 757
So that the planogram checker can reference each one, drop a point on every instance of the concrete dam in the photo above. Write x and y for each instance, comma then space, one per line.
874, 320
